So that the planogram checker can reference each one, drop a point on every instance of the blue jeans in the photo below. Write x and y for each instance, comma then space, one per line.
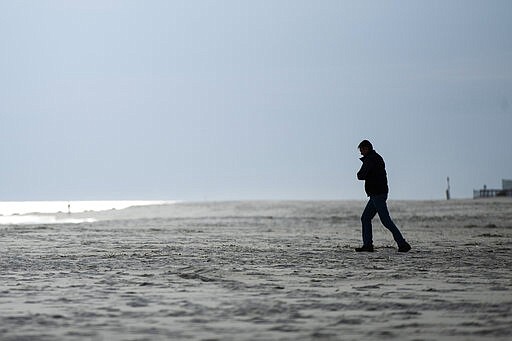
377, 204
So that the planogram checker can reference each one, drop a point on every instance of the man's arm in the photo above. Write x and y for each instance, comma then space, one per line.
365, 169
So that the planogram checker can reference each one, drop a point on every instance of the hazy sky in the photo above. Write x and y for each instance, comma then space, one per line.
263, 99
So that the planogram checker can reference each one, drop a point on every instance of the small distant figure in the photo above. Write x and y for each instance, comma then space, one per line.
69, 208
373, 172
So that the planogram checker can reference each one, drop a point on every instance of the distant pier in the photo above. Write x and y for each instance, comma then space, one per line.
485, 192
491, 193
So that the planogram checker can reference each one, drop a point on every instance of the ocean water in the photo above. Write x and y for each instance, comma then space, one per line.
49, 212
267, 270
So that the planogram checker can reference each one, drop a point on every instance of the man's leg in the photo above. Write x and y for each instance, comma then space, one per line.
382, 209
366, 220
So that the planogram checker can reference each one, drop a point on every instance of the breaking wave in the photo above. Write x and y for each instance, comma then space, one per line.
41, 219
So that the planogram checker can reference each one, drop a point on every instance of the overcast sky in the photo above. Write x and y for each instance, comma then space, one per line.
263, 99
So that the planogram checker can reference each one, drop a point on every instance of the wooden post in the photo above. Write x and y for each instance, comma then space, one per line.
448, 188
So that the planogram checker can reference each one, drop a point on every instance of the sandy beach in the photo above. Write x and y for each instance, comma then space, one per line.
268, 270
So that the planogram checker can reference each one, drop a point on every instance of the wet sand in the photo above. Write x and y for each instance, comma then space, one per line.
261, 271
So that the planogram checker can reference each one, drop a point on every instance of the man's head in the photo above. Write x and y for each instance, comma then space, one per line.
365, 147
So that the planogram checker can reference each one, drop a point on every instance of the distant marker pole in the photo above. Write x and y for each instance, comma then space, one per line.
448, 188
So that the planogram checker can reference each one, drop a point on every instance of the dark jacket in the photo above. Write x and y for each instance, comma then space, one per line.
373, 172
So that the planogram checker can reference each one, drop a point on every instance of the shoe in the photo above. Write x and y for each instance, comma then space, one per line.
405, 247
365, 248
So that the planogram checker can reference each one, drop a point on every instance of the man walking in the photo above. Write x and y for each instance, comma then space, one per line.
373, 172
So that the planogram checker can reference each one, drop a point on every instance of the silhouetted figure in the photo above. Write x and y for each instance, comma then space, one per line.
373, 172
